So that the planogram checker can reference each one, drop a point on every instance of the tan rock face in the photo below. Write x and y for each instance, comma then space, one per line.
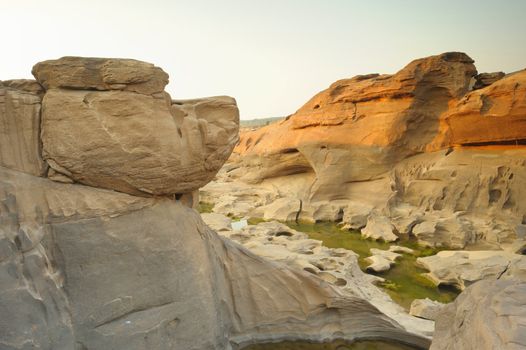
127, 141
101, 74
20, 147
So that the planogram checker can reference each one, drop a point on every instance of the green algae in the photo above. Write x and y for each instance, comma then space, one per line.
205, 207
404, 282
335, 345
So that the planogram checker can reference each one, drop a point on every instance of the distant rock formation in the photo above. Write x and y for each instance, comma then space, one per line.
98, 250
417, 150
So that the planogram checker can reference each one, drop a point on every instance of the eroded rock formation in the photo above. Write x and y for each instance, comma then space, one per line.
95, 251
418, 152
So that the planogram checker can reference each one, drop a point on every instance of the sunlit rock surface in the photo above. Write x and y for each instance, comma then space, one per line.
440, 161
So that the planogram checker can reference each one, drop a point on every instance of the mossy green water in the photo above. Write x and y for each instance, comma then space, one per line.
335, 345
404, 281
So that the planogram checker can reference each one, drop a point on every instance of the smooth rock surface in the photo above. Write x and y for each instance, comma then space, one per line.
488, 315
381, 260
105, 270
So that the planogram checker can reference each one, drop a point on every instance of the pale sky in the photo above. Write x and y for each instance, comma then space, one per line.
271, 55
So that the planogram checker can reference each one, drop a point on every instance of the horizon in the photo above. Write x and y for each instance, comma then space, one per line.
273, 56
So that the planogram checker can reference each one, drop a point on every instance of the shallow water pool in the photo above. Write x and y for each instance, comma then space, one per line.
404, 281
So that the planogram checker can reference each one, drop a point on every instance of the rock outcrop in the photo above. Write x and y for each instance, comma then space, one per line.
418, 150
486, 316
463, 268
85, 266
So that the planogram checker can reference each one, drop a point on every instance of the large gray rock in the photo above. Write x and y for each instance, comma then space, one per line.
488, 315
88, 268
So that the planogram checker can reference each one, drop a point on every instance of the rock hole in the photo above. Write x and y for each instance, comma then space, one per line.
511, 176
289, 150
316, 106
340, 282
284, 233
18, 243
509, 204
178, 196
454, 173
494, 195
179, 132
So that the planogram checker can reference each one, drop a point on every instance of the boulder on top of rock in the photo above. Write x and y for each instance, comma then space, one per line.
91, 73
134, 143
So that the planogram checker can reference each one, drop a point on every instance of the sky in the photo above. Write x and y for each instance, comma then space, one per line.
271, 55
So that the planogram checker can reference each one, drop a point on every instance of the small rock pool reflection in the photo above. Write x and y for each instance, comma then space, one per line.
335, 345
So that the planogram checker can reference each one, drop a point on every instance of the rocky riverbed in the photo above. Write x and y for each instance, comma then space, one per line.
430, 158
101, 246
